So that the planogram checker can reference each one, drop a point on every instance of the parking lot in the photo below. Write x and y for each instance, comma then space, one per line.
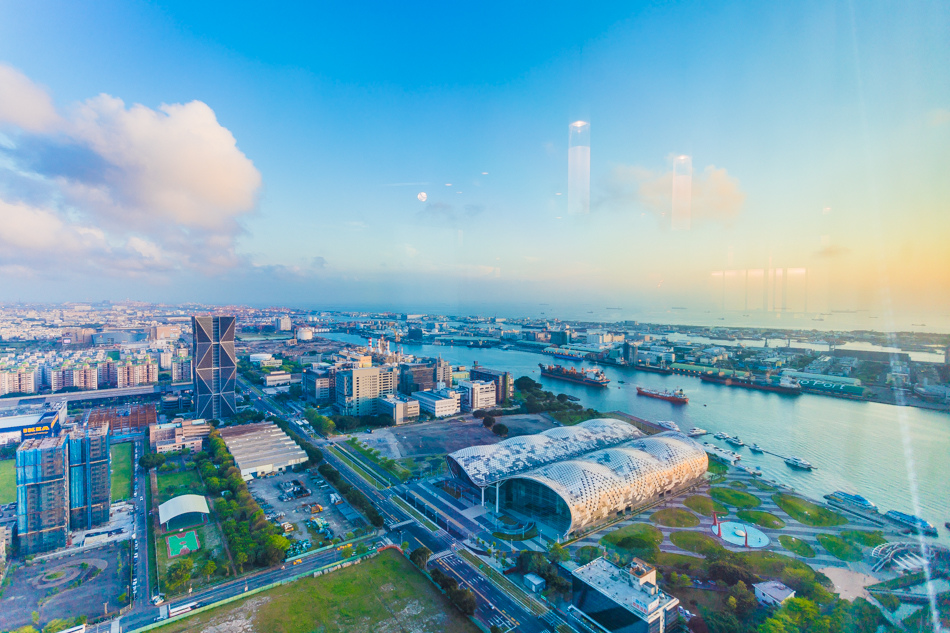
268, 491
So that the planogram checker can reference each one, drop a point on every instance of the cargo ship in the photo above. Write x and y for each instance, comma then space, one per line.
784, 385
656, 369
592, 377
915, 523
676, 397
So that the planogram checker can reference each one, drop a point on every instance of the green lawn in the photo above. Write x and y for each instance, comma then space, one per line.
7, 481
680, 562
717, 468
868, 539
675, 517
181, 483
796, 546
704, 505
695, 542
634, 536
121, 455
385, 593
760, 518
771, 565
840, 548
734, 497
738, 485
806, 512
761, 485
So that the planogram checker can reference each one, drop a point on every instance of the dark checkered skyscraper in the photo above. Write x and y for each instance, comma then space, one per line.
215, 366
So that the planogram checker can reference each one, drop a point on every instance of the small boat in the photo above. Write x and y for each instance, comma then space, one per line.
735, 441
696, 432
798, 462
721, 436
947, 525
667, 424
755, 448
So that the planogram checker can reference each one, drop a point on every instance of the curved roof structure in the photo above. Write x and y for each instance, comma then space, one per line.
484, 465
601, 483
180, 505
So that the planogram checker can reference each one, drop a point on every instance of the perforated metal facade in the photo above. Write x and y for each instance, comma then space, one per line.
592, 471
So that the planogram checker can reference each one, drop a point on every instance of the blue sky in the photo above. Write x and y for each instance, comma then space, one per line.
818, 134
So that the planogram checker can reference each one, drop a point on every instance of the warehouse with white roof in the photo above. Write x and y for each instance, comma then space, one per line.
261, 449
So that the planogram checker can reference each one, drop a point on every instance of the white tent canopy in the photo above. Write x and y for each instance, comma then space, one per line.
182, 505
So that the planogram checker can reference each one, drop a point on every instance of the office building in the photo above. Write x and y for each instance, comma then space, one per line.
440, 403
215, 366
42, 491
318, 385
178, 434
578, 168
282, 323
278, 378
400, 408
89, 477
259, 449
568, 479
477, 394
417, 377
358, 390
443, 374
615, 599
504, 381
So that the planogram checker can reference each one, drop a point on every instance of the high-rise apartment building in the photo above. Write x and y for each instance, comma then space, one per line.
357, 390
181, 369
42, 491
89, 477
215, 366
131, 374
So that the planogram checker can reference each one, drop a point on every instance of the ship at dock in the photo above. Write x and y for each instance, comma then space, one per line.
592, 377
676, 397
784, 385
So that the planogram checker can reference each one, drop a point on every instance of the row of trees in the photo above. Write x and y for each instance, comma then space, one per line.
252, 539
356, 498
463, 599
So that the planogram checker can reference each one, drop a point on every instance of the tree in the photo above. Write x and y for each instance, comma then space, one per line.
208, 569
488, 422
151, 460
420, 556
500, 430
405, 546
586, 554
361, 549
557, 553
240, 558
525, 384
464, 599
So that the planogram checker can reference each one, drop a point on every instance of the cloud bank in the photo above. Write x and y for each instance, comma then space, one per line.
107, 188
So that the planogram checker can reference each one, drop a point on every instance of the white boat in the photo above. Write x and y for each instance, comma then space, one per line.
696, 432
721, 436
798, 462
755, 448
668, 424
735, 441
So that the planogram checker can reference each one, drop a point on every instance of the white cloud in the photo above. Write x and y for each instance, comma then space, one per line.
23, 104
134, 189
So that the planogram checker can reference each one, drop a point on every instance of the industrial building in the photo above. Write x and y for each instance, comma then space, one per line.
606, 597
42, 491
215, 366
571, 478
260, 449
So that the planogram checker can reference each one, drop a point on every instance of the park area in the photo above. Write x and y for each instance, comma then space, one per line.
7, 481
121, 455
384, 594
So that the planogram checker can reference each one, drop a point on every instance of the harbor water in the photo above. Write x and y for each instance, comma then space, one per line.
898, 457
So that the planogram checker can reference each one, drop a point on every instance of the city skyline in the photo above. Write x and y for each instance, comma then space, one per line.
285, 169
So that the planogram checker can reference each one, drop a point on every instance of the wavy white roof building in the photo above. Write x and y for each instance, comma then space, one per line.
574, 477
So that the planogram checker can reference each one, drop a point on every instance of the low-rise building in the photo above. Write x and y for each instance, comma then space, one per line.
178, 434
277, 378
621, 599
441, 403
772, 592
477, 394
400, 408
260, 449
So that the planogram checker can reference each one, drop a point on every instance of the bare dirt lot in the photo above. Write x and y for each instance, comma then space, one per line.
66, 587
445, 436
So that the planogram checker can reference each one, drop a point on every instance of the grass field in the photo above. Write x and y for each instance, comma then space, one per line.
174, 484
675, 517
681, 562
796, 546
704, 505
716, 468
806, 512
771, 565
385, 593
695, 542
860, 537
760, 518
634, 536
761, 485
738, 485
840, 548
735, 498
7, 481
121, 455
